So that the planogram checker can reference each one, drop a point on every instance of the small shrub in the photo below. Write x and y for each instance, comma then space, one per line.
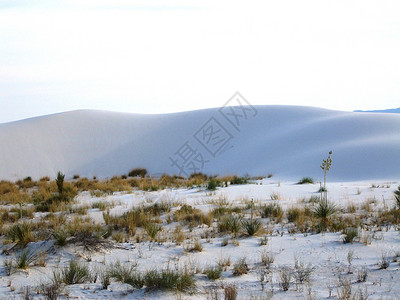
240, 267
138, 172
350, 235
213, 272
21, 234
305, 180
212, 185
238, 180
152, 230
61, 237
74, 273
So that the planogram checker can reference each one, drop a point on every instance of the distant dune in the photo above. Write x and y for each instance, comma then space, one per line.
390, 110
287, 141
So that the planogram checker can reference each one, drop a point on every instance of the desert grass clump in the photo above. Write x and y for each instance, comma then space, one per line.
127, 273
240, 267
192, 216
170, 279
213, 272
196, 247
74, 273
350, 235
152, 230
271, 210
21, 234
305, 180
252, 226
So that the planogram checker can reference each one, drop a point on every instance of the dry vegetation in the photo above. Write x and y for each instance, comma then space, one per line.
38, 211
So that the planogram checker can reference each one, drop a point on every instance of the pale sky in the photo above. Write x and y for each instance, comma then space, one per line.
167, 56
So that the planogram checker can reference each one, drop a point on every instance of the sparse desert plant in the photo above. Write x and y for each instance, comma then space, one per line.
21, 234
350, 235
362, 274
344, 288
251, 226
302, 271
104, 276
240, 267
384, 261
285, 276
8, 266
305, 180
74, 273
51, 291
267, 259
230, 292
213, 272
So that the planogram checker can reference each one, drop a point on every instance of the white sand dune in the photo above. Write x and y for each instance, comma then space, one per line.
287, 141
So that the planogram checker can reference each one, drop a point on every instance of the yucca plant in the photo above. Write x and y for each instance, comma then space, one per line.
397, 197
25, 258
60, 182
323, 211
232, 224
252, 226
21, 234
